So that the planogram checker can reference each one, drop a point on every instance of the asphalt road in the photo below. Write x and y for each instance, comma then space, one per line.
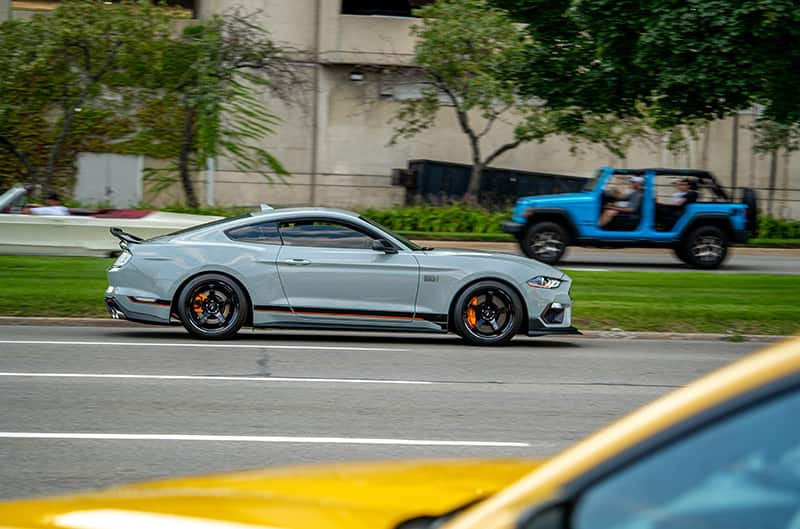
740, 260
85, 407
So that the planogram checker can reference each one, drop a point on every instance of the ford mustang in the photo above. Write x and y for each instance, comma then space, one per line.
330, 269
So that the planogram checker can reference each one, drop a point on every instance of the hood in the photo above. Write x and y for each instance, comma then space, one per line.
545, 201
353, 495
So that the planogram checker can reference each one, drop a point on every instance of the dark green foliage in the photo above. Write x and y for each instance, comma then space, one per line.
440, 219
769, 228
682, 61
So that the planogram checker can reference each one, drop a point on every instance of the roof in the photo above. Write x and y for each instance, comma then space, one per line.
664, 171
306, 211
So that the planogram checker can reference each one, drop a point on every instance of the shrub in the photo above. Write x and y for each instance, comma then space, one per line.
770, 228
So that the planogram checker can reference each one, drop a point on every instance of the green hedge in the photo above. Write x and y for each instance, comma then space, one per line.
769, 228
440, 219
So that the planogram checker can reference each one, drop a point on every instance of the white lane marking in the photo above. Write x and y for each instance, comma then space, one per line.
252, 439
205, 345
212, 377
122, 519
581, 269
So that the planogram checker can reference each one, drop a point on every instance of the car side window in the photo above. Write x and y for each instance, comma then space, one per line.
323, 234
263, 233
739, 473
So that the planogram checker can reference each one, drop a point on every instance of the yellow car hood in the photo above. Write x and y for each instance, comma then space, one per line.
353, 495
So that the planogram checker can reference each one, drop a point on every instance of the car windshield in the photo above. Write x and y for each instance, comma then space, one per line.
410, 245
12, 197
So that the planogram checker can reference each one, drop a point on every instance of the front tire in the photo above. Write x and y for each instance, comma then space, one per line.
545, 241
706, 247
488, 313
212, 307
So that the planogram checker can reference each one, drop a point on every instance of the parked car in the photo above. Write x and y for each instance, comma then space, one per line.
83, 232
699, 232
330, 269
720, 453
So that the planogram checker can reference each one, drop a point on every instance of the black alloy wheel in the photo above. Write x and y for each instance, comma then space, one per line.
212, 306
544, 241
488, 313
706, 247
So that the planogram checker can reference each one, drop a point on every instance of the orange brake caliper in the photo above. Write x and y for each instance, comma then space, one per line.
197, 303
472, 317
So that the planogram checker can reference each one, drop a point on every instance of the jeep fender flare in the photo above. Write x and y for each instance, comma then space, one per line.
719, 220
558, 215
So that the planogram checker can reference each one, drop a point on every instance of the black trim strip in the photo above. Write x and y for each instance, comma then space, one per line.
162, 302
440, 319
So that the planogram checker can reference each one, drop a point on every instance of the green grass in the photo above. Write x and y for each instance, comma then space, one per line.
52, 286
632, 301
686, 302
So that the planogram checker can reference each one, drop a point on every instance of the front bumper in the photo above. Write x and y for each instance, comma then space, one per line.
509, 226
537, 328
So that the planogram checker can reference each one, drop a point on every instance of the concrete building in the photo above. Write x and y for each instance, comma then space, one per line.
335, 141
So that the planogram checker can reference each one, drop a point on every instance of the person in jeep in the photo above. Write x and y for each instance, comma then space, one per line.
627, 212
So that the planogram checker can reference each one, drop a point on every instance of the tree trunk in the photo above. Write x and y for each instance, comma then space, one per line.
471, 196
773, 172
185, 157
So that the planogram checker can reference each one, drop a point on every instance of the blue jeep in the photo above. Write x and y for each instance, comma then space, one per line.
699, 229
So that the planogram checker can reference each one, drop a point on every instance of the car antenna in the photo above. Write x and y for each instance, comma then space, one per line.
266, 207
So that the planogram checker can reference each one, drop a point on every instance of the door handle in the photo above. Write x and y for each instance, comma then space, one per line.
297, 262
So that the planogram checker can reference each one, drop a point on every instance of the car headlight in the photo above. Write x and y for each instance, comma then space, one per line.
121, 261
544, 282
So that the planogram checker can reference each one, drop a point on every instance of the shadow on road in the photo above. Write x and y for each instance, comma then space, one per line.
339, 337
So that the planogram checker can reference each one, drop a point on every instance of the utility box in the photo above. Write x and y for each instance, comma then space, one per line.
110, 180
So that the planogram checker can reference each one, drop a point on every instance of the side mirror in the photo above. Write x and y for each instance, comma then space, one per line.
382, 245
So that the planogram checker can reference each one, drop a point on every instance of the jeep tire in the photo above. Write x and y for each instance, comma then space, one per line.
706, 247
545, 241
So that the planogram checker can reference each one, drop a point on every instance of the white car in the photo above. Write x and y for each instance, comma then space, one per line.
83, 232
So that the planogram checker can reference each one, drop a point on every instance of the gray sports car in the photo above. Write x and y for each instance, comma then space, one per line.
317, 268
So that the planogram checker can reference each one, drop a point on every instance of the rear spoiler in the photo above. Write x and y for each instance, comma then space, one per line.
124, 237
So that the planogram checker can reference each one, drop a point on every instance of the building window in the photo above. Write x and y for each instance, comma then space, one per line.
393, 8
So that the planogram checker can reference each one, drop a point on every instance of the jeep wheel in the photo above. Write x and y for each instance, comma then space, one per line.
680, 253
706, 247
544, 241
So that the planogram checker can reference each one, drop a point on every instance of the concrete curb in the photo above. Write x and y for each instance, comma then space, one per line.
610, 334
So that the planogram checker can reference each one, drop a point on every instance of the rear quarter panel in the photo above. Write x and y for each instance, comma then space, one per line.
171, 264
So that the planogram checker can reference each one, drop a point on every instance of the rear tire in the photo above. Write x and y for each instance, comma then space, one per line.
680, 253
488, 313
544, 241
706, 247
212, 307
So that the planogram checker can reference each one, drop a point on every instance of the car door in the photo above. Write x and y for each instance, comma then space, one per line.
331, 275
257, 253
738, 472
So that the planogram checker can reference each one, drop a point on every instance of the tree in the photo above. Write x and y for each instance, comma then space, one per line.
65, 71
464, 50
468, 52
677, 61
215, 75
